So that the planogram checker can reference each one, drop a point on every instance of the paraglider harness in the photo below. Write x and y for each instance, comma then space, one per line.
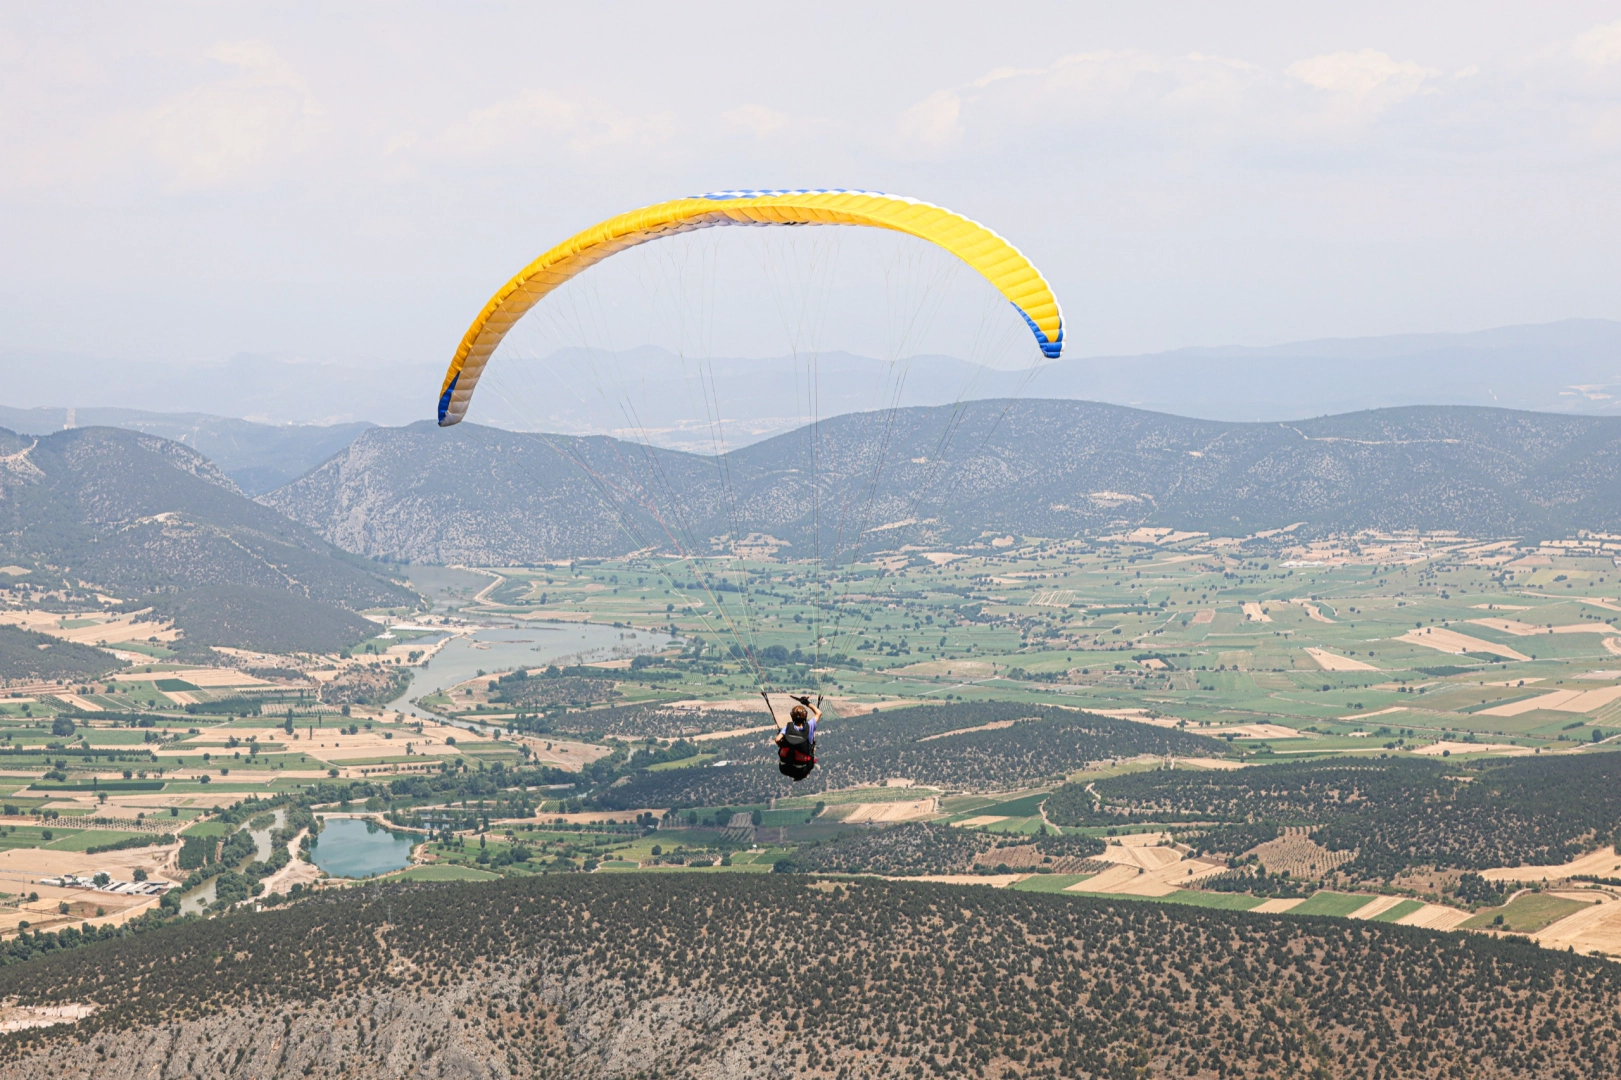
796, 752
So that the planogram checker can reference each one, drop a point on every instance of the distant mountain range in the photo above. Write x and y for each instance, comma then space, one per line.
145, 517
1565, 367
951, 474
257, 457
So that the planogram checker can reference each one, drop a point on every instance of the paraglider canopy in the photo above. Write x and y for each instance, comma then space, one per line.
1003, 265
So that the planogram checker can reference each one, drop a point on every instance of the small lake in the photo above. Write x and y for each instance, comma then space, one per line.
355, 848
506, 648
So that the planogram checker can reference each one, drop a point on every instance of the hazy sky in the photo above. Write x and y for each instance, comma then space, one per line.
350, 181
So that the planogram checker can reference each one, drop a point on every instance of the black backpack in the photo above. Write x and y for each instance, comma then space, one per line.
796, 754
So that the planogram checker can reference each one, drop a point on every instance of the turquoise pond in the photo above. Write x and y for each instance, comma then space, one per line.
352, 848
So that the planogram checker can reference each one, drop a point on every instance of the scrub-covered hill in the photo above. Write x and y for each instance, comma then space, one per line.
142, 517
1393, 814
980, 746
257, 457
733, 975
1036, 467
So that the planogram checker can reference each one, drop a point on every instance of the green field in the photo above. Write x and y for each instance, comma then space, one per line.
1525, 914
32, 836
1221, 901
89, 838
1049, 883
682, 763
985, 626
1330, 903
1400, 911
1028, 806
444, 873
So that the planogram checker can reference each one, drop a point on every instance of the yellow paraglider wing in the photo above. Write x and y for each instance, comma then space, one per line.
998, 261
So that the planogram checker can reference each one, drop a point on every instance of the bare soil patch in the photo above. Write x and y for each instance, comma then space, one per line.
1435, 917
1593, 929
1334, 662
24, 1017
1278, 906
110, 629
1522, 629
1161, 880
1446, 747
995, 725
961, 669
995, 881
1377, 906
1450, 641
898, 810
1254, 731
1603, 862
978, 822
730, 733
1570, 701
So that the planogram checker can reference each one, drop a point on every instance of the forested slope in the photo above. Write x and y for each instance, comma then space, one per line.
27, 655
642, 976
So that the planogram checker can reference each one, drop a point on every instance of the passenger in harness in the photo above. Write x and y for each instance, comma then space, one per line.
796, 740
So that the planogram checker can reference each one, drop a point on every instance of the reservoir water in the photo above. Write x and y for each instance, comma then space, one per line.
504, 648
355, 848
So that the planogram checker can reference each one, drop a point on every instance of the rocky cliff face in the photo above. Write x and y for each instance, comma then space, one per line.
508, 1023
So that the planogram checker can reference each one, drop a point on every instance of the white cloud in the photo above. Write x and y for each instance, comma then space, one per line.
1145, 99
762, 122
756, 120
541, 121
1161, 171
996, 75
1601, 45
933, 124
1119, 89
226, 128
1366, 82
